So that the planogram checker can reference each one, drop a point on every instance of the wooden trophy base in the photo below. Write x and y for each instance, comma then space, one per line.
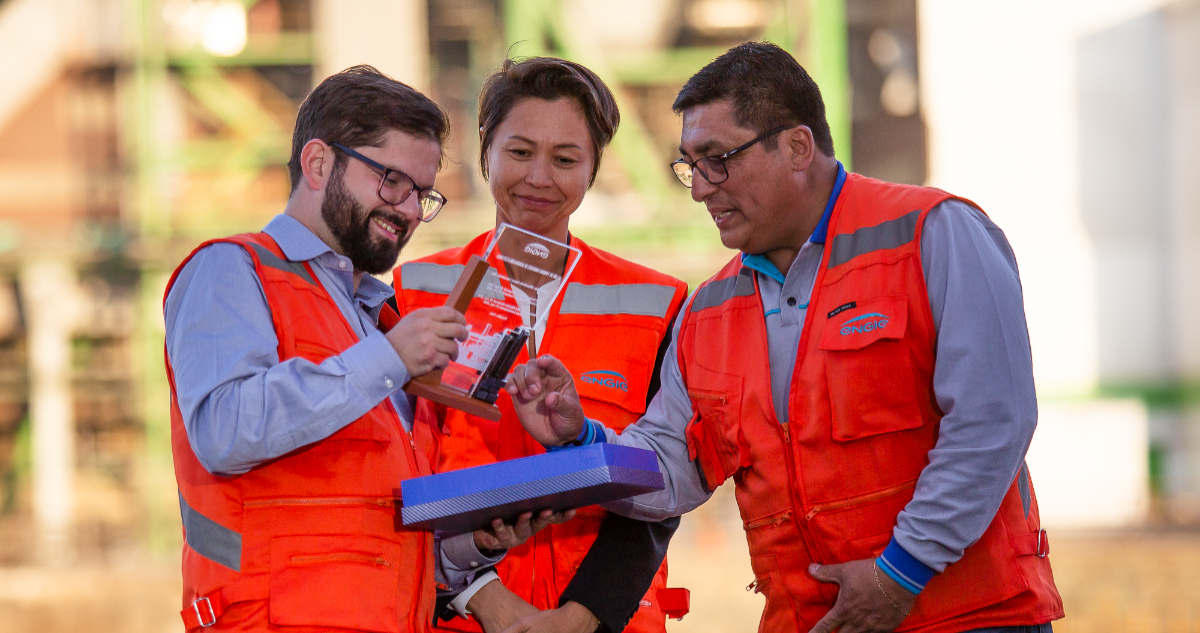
429, 386
421, 388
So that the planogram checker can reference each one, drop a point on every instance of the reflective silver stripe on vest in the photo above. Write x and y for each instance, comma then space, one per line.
890, 234
439, 279
717, 292
637, 299
211, 539
434, 278
270, 260
1023, 488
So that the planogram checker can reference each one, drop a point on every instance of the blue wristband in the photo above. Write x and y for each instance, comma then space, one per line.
586, 436
904, 568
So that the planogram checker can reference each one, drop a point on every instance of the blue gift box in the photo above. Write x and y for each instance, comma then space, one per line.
468, 499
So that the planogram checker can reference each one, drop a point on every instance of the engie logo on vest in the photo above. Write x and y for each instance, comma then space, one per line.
605, 378
865, 323
537, 250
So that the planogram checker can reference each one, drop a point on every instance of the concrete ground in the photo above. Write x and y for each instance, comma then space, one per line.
1130, 581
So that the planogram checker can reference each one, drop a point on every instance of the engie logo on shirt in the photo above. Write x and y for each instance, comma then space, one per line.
605, 378
865, 323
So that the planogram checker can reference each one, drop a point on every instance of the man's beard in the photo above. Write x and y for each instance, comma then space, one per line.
350, 224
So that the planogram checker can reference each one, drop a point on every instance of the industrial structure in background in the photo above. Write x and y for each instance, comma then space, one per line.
131, 130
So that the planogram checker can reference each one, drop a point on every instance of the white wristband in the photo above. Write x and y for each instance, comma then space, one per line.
459, 604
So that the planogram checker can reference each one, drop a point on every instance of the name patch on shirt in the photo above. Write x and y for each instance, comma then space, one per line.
870, 321
842, 308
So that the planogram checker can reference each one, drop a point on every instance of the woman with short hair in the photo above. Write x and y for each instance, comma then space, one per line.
543, 126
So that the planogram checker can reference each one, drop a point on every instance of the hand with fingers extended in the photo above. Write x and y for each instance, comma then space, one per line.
543, 394
868, 601
428, 339
501, 535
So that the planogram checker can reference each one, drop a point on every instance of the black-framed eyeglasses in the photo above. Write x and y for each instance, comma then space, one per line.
713, 167
396, 186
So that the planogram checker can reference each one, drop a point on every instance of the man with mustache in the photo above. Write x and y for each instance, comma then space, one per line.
861, 371
289, 430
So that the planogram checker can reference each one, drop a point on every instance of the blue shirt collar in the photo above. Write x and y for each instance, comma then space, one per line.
763, 265
298, 243
822, 228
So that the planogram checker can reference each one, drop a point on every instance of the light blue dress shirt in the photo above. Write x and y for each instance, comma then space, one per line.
241, 406
983, 381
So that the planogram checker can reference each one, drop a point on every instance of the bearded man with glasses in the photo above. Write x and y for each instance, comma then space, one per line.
861, 371
289, 431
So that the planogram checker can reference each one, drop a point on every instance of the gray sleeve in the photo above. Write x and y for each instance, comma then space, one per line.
662, 430
458, 560
240, 405
983, 382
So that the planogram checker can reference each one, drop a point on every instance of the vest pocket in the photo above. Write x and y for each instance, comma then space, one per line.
988, 574
858, 527
869, 373
779, 614
611, 363
715, 440
348, 582
621, 382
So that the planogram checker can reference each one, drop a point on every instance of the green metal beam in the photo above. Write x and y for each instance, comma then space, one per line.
659, 67
787, 27
531, 23
241, 112
525, 25
152, 219
1167, 394
814, 31
149, 71
276, 49
830, 68
249, 154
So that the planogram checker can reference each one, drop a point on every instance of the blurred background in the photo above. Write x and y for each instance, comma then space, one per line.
131, 130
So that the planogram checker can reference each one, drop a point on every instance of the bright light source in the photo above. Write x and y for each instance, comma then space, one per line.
224, 31
726, 15
899, 93
884, 48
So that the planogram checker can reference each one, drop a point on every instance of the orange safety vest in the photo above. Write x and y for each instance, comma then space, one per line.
309, 539
827, 488
606, 326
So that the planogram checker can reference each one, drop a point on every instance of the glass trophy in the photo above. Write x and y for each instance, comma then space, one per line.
502, 295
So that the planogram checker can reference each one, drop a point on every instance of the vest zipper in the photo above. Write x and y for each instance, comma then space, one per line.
321, 501
346, 557
533, 553
704, 395
787, 435
802, 528
859, 500
420, 604
774, 520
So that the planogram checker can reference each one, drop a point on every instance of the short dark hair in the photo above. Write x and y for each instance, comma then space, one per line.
547, 78
768, 88
357, 107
